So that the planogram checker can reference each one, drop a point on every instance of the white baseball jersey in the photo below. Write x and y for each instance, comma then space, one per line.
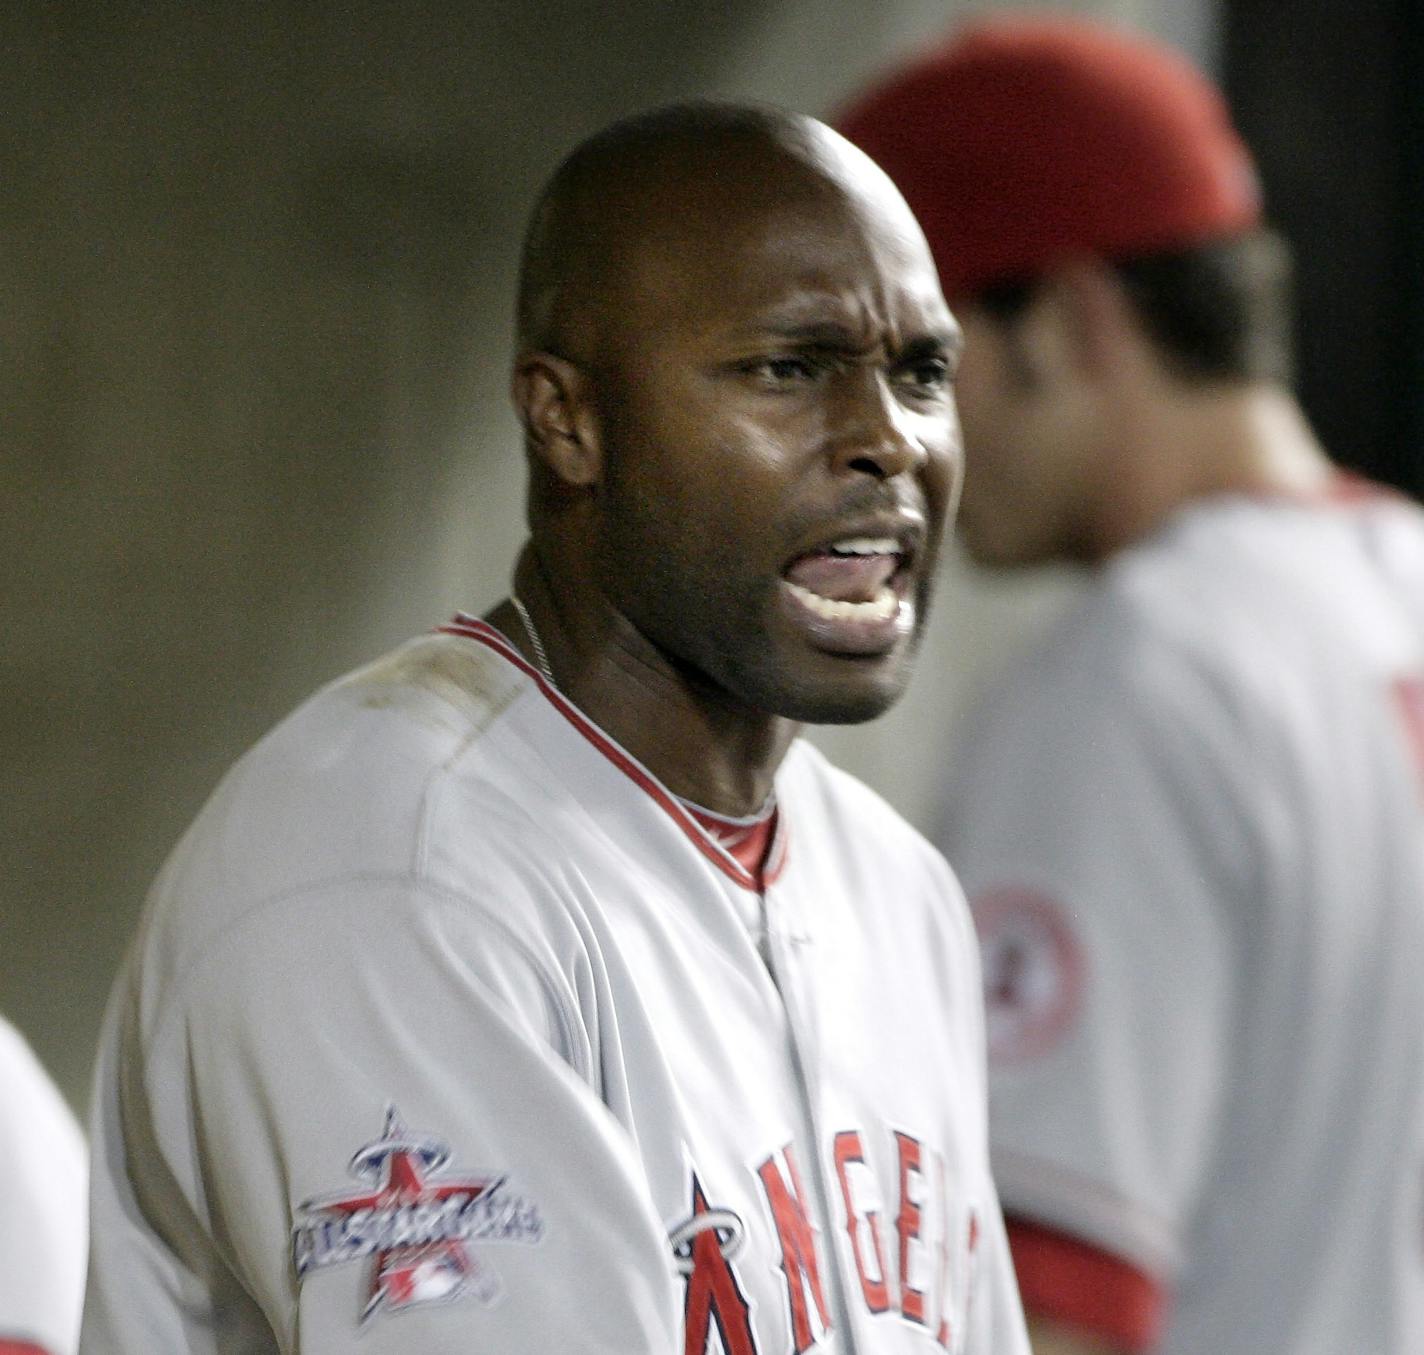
43, 1209
1191, 825
448, 1029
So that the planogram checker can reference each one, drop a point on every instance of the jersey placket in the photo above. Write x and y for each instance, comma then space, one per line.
786, 941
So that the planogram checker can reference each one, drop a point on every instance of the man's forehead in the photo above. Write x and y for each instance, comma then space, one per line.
791, 267
818, 317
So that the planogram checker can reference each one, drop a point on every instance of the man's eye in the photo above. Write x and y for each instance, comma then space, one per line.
783, 371
927, 375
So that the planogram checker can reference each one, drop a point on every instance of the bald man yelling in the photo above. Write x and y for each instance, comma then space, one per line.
535, 988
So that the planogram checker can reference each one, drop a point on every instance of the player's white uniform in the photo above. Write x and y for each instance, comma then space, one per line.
43, 1213
1191, 825
447, 1030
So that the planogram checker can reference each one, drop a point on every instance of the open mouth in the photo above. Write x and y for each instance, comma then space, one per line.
850, 592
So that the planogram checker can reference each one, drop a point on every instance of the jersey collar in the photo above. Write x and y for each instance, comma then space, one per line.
756, 880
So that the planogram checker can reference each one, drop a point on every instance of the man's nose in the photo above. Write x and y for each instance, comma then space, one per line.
872, 430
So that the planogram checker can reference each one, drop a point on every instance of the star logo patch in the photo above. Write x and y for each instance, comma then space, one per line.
416, 1230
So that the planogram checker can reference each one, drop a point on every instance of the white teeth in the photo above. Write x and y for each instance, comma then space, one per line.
882, 608
866, 545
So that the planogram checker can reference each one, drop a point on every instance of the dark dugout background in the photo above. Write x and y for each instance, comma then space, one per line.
1331, 98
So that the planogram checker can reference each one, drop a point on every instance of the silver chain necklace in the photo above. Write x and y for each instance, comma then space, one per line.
528, 623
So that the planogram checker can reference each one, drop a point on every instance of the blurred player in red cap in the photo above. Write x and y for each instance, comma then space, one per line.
1192, 820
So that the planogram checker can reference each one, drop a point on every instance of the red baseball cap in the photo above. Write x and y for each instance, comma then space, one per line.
1024, 142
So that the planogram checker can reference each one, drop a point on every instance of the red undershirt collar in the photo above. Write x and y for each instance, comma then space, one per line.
747, 841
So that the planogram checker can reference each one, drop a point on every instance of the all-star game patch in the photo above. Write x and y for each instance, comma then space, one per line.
415, 1226
1033, 972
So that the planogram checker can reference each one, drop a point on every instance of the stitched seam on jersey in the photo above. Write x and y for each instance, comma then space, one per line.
179, 988
438, 783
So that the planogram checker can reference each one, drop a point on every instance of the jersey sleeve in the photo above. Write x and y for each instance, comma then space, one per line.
384, 1102
43, 1172
1097, 825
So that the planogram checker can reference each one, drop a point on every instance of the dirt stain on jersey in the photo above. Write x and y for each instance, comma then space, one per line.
473, 687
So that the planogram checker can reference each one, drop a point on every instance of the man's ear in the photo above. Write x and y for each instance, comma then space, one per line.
553, 400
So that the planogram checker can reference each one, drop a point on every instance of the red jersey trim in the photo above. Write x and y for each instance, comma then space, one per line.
21, 1348
1349, 487
483, 633
1074, 1283
748, 844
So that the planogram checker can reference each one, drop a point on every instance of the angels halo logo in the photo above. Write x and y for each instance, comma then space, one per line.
415, 1230
1033, 969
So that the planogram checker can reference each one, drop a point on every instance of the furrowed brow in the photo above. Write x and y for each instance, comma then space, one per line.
838, 336
808, 334
947, 344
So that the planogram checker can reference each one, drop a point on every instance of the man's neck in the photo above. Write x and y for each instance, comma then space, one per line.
695, 742
698, 747
1249, 439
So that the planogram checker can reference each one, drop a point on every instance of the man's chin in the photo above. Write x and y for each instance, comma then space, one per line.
852, 700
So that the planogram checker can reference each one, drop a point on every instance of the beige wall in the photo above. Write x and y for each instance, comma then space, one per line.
255, 263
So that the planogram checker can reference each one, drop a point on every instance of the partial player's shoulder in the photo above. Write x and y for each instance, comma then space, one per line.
1241, 569
1187, 610
20, 1071
16, 1060
1390, 529
1130, 666
35, 1120
44, 1171
878, 890
1110, 648
1187, 654
1177, 586
1324, 594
